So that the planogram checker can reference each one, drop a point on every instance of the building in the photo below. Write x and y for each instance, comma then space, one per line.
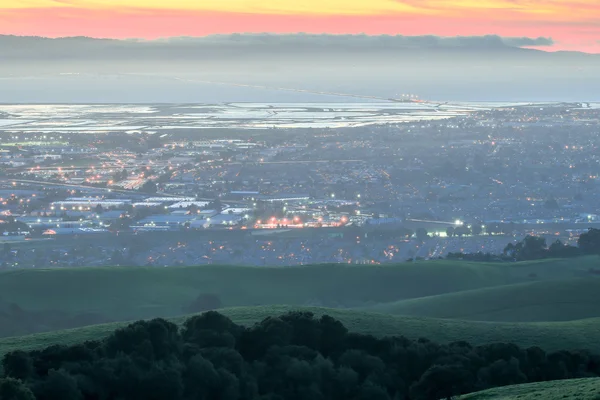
89, 203
165, 221
186, 204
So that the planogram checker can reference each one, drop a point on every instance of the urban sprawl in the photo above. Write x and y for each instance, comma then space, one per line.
290, 184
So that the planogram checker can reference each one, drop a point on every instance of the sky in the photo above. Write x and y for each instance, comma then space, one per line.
572, 24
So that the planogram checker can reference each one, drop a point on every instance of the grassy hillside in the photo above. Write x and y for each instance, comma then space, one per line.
575, 389
560, 300
584, 334
139, 292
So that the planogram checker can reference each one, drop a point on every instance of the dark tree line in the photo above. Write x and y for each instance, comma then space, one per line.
295, 356
536, 248
589, 242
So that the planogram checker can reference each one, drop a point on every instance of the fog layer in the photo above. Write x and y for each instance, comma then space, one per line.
214, 69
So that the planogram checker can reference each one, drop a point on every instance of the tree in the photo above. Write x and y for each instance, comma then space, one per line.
560, 250
211, 329
193, 208
17, 364
476, 229
333, 333
99, 209
421, 234
165, 176
204, 302
509, 250
292, 356
122, 223
162, 382
149, 187
442, 382
151, 340
200, 378
530, 248
362, 362
271, 331
370, 391
11, 225
462, 230
59, 385
13, 389
502, 373
215, 205
450, 231
306, 329
120, 175
589, 242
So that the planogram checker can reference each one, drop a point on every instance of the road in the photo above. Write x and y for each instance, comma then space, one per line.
108, 190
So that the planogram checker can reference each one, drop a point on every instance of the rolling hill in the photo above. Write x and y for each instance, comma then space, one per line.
584, 334
139, 292
42, 300
558, 300
580, 389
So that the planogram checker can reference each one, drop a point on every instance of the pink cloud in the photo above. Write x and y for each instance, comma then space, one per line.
127, 23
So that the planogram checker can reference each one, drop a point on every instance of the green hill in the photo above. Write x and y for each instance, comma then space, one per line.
140, 292
560, 300
135, 292
576, 389
584, 334
42, 300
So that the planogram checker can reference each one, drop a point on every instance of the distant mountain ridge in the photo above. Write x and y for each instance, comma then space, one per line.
268, 38
14, 47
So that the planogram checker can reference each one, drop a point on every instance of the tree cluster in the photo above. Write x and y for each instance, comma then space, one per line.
149, 187
294, 356
10, 225
589, 242
120, 175
464, 230
535, 248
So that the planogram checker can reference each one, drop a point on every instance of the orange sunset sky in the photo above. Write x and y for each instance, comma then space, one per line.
573, 24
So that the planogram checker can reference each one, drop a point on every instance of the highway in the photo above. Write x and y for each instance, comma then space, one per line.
108, 190
67, 185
